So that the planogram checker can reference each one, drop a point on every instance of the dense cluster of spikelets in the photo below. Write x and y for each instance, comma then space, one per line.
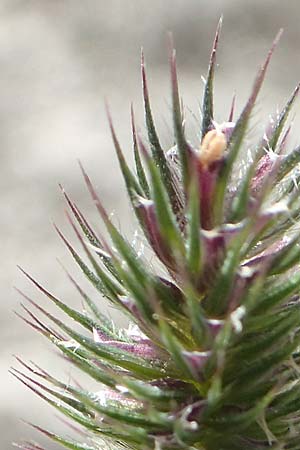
211, 359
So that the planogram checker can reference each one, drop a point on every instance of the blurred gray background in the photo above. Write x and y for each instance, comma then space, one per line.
59, 59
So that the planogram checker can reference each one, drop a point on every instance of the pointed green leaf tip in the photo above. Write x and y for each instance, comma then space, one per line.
130, 180
210, 359
158, 153
138, 163
182, 146
207, 106
237, 136
166, 218
281, 120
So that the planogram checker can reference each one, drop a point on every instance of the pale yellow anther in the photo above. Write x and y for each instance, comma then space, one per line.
212, 147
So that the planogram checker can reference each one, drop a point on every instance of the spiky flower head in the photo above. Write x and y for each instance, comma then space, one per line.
211, 359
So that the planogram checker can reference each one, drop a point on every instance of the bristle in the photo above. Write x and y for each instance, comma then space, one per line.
232, 108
